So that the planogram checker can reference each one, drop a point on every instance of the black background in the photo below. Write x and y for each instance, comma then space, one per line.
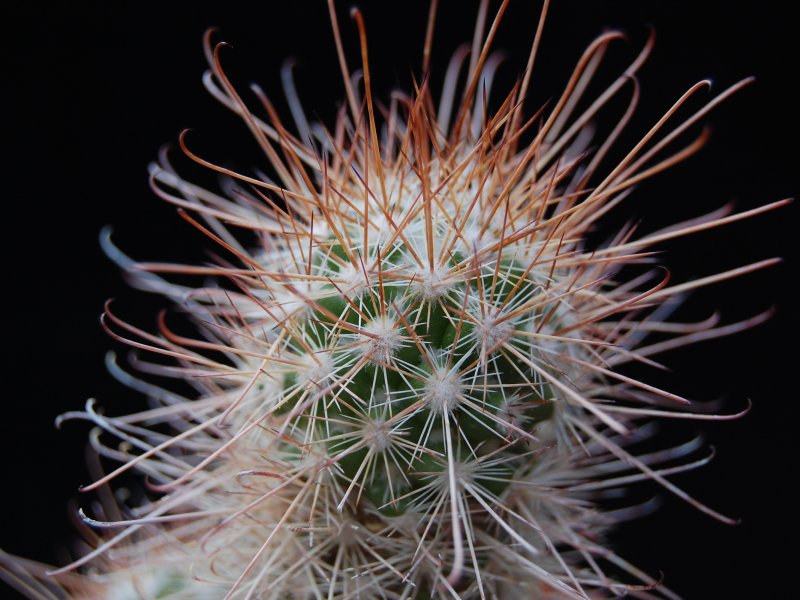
92, 90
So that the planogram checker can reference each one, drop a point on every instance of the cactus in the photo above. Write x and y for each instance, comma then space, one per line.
406, 369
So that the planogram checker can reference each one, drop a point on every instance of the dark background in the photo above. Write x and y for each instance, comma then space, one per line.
92, 90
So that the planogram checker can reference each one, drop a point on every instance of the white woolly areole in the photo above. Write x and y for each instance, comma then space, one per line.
432, 285
376, 432
443, 390
315, 370
352, 280
381, 339
493, 331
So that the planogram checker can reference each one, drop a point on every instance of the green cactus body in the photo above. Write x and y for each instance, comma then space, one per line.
411, 361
